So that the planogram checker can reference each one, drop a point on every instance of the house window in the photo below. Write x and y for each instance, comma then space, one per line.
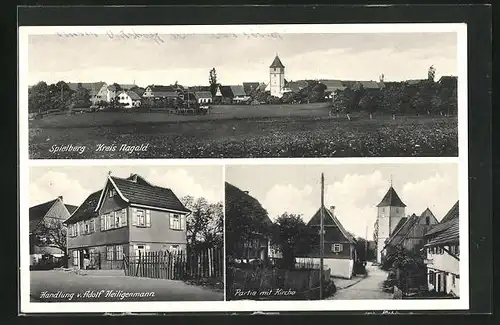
174, 248
431, 278
397, 210
453, 278
109, 253
92, 225
86, 227
177, 222
112, 192
427, 220
119, 252
141, 218
336, 248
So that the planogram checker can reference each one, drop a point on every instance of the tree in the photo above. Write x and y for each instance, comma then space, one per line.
212, 80
81, 98
205, 224
340, 102
51, 232
368, 103
392, 99
38, 98
293, 237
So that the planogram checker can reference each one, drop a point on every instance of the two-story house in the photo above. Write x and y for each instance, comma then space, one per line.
127, 217
129, 99
443, 254
46, 232
339, 245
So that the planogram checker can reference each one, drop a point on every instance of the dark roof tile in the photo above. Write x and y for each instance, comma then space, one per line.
86, 210
277, 63
155, 196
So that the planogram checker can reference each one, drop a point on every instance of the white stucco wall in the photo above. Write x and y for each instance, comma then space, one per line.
341, 268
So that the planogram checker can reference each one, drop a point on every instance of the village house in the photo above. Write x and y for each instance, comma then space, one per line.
45, 226
97, 90
127, 217
331, 87
409, 232
449, 82
204, 97
129, 99
250, 87
161, 92
443, 254
339, 245
239, 95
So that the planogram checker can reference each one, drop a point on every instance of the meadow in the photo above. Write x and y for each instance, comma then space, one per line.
246, 132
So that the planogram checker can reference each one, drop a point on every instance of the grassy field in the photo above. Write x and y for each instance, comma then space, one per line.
245, 132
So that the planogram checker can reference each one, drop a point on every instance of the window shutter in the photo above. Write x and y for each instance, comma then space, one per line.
123, 217
341, 247
134, 216
102, 223
148, 218
170, 220
183, 222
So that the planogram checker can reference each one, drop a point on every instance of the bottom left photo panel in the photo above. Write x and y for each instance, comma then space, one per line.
125, 233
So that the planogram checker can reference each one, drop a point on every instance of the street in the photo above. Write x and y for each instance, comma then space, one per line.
368, 288
59, 286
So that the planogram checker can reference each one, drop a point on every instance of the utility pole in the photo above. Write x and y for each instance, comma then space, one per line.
366, 242
321, 237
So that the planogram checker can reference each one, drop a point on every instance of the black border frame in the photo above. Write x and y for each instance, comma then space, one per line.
479, 30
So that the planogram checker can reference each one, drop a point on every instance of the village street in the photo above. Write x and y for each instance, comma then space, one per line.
366, 288
110, 286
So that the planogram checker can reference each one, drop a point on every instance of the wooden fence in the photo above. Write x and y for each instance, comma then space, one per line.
208, 263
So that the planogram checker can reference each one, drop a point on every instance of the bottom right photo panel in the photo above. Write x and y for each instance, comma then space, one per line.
342, 231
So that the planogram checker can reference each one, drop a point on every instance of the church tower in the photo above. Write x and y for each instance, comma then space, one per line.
276, 77
390, 211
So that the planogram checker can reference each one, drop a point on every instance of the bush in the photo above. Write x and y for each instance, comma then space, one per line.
359, 268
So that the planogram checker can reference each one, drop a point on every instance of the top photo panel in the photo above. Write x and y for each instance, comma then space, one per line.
260, 91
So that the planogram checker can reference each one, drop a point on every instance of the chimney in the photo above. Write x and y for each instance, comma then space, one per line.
60, 197
332, 209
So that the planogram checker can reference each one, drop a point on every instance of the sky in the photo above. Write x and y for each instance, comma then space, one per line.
354, 190
76, 183
166, 59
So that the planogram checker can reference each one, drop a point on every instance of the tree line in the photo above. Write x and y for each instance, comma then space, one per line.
44, 97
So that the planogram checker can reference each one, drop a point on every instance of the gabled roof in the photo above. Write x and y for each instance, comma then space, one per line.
87, 85
238, 90
450, 234
452, 213
400, 224
332, 85
232, 191
451, 216
330, 219
250, 86
133, 95
392, 199
70, 208
203, 94
137, 190
155, 88
37, 213
86, 210
297, 85
448, 80
277, 63
399, 235
226, 91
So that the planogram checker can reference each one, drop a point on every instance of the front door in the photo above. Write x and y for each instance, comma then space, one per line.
438, 282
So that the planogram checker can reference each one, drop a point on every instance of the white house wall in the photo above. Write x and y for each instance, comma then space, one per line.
443, 262
340, 268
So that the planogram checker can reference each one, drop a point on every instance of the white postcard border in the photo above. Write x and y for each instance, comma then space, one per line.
225, 306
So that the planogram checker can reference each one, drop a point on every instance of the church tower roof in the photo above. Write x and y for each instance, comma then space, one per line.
391, 199
277, 63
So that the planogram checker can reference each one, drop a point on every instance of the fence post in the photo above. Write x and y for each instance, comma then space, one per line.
138, 263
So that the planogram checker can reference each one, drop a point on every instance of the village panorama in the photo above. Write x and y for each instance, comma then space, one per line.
277, 117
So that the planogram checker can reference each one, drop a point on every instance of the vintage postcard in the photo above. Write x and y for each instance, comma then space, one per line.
124, 233
240, 91
243, 168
